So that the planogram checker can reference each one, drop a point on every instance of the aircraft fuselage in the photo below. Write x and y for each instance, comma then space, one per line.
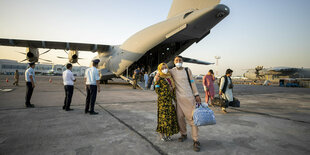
160, 42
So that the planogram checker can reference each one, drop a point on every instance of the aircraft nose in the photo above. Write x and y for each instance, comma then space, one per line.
223, 10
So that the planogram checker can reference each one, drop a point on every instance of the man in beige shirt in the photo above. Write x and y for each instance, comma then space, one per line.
187, 96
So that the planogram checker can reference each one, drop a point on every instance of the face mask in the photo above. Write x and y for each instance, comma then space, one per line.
165, 71
178, 65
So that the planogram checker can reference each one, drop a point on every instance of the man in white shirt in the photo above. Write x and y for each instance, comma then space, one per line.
68, 80
30, 80
92, 86
226, 87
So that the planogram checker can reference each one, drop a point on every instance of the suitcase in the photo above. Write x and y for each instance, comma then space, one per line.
236, 103
219, 102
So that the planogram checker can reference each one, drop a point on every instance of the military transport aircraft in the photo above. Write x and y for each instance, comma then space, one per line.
188, 22
275, 73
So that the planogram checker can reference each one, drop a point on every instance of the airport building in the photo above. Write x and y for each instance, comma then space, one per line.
8, 67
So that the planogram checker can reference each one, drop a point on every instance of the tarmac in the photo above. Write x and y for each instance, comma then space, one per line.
271, 120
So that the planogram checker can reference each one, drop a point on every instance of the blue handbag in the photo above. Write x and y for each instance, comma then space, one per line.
203, 116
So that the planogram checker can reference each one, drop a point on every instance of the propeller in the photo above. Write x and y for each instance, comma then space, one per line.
20, 52
45, 52
39, 58
23, 60
45, 60
61, 57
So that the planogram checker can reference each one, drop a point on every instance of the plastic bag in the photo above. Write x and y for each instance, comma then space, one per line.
203, 116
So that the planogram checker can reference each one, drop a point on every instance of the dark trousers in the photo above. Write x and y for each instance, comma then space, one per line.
15, 82
91, 97
29, 90
69, 92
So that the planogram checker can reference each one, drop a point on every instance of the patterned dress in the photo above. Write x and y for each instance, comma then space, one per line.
166, 114
208, 81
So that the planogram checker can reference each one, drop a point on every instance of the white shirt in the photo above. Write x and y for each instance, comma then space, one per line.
68, 77
29, 71
91, 75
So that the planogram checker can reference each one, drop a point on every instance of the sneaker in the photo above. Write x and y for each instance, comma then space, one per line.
163, 139
30, 106
168, 138
224, 111
182, 138
196, 146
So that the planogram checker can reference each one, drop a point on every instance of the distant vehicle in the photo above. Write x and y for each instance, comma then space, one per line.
288, 82
198, 77
58, 71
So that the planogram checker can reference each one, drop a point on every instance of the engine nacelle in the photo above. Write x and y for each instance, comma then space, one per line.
73, 56
32, 54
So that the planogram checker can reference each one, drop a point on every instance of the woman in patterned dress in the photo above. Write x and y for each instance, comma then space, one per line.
167, 123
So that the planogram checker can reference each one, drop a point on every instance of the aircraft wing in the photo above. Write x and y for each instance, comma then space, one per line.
53, 45
195, 61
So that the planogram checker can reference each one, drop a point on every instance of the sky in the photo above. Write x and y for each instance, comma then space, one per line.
256, 33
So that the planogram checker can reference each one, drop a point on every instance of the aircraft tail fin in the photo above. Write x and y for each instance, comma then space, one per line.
180, 6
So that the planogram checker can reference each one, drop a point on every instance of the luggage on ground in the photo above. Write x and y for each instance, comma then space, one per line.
236, 103
220, 102
203, 116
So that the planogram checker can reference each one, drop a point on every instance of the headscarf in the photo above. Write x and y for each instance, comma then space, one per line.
167, 76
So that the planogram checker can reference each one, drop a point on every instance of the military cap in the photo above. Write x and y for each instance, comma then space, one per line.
96, 61
31, 63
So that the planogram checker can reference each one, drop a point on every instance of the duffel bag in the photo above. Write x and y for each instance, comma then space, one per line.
203, 116
236, 103
220, 102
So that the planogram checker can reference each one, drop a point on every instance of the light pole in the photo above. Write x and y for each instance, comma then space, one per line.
217, 64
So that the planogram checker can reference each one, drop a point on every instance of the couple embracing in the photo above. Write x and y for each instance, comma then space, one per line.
176, 84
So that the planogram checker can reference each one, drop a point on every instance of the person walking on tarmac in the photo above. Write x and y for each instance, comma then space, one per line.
16, 78
187, 97
146, 79
30, 84
68, 80
92, 86
226, 87
135, 77
208, 86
